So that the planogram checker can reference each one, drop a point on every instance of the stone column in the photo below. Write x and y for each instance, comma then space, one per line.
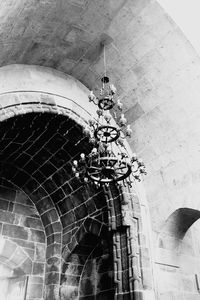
133, 273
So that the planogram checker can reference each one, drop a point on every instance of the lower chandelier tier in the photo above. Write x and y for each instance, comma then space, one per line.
108, 169
102, 165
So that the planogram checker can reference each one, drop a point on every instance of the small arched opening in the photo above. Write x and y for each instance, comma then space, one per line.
178, 256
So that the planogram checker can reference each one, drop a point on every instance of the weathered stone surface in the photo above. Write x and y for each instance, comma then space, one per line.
15, 231
40, 251
38, 268
52, 278
35, 290
30, 222
37, 236
7, 217
4, 204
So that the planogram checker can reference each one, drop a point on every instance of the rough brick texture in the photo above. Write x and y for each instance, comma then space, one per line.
23, 240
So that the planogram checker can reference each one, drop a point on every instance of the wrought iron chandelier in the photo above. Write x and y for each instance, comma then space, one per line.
108, 160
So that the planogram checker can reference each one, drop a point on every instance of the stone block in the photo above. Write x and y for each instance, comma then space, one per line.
77, 197
7, 217
80, 212
37, 236
53, 250
40, 251
67, 292
105, 282
33, 223
52, 278
87, 287
145, 257
91, 208
22, 198
34, 291
25, 210
67, 219
4, 204
35, 279
109, 294
19, 256
53, 264
57, 196
7, 194
24, 243
24, 268
99, 200
54, 238
133, 113
15, 231
8, 248
30, 253
147, 278
38, 268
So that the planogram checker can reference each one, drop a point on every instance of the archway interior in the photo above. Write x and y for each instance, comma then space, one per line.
59, 214
88, 271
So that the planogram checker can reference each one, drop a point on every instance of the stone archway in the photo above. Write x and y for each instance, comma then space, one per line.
42, 117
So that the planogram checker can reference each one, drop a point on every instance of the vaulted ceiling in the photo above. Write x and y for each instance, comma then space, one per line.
153, 66
68, 36
65, 35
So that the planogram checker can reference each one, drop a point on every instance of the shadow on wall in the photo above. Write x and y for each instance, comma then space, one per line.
88, 272
180, 221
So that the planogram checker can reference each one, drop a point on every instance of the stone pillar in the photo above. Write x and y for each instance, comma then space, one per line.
133, 273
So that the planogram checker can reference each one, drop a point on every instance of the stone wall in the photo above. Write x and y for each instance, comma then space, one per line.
23, 240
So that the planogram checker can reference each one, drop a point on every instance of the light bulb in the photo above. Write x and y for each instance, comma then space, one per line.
91, 96
82, 156
122, 120
112, 89
86, 131
134, 157
107, 117
73, 170
94, 151
128, 131
91, 122
140, 162
99, 112
75, 163
119, 104
92, 140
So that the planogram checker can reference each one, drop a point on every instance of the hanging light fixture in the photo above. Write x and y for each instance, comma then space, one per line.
108, 160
